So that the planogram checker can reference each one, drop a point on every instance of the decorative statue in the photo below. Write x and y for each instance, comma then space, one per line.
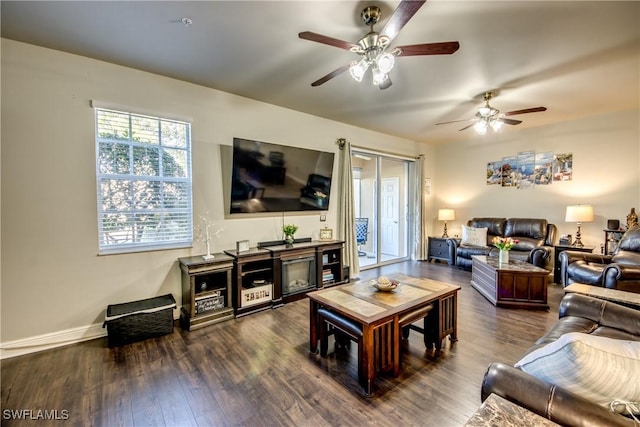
632, 218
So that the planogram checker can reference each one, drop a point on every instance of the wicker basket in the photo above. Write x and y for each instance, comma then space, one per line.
138, 320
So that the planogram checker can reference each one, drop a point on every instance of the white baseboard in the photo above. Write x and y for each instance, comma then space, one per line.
56, 339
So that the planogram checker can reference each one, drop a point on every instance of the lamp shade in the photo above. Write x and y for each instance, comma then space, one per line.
579, 213
446, 215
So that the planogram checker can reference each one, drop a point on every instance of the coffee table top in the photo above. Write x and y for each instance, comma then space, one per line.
512, 265
497, 411
360, 300
614, 295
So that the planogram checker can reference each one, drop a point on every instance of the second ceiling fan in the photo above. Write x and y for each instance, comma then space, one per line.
373, 46
489, 117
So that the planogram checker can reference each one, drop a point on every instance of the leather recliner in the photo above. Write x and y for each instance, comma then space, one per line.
577, 313
535, 240
620, 270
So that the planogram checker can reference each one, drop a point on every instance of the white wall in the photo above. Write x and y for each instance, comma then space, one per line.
53, 282
606, 153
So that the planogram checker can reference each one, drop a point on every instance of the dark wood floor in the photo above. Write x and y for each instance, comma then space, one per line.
257, 371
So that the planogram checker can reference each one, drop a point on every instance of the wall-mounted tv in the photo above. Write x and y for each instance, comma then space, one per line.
268, 177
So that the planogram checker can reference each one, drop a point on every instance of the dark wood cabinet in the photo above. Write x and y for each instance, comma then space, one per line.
206, 291
254, 284
306, 266
556, 258
438, 248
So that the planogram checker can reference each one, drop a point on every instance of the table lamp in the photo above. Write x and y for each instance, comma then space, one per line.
446, 215
579, 214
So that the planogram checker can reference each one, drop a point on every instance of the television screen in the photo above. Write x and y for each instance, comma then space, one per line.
268, 177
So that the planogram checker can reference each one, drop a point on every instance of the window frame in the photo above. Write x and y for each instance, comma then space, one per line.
171, 226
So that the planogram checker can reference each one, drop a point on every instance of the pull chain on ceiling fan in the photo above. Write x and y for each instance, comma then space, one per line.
488, 117
372, 47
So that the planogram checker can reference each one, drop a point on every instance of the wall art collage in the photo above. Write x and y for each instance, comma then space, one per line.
528, 169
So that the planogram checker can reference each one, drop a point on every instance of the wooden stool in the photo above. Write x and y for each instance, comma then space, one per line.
405, 326
348, 328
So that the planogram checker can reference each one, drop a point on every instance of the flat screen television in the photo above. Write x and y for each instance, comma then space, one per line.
268, 177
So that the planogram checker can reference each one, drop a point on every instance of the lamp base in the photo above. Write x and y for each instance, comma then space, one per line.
578, 243
444, 233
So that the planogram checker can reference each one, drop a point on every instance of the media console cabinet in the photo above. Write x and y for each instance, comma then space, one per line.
270, 276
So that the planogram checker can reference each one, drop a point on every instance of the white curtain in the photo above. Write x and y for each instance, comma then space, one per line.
346, 215
419, 203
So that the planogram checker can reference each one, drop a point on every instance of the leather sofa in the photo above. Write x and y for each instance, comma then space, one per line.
535, 237
577, 313
620, 270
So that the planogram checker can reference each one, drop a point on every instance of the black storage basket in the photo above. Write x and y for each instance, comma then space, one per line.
138, 320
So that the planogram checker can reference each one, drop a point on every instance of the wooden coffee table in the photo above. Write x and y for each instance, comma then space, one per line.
514, 284
379, 313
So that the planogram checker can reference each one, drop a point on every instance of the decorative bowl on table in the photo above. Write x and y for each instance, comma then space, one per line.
384, 284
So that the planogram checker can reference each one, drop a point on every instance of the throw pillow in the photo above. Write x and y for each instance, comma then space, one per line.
474, 236
600, 369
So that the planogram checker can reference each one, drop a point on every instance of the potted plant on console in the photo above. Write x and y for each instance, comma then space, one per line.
289, 231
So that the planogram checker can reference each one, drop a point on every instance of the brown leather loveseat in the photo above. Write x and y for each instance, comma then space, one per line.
535, 237
577, 313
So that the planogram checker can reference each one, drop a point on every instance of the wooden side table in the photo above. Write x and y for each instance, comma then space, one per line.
556, 258
438, 248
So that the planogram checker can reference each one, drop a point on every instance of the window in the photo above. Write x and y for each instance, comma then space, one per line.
143, 169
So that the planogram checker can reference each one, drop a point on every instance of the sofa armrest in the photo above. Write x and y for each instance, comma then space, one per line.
547, 400
453, 244
540, 257
623, 277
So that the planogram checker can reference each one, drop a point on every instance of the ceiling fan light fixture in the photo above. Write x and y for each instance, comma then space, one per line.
481, 127
379, 76
357, 69
496, 124
385, 62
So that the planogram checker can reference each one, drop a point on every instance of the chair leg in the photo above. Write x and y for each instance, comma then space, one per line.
324, 338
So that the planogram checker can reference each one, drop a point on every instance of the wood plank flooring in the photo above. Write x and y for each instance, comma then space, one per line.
257, 371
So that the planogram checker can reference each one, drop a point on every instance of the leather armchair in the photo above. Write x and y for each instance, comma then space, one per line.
620, 270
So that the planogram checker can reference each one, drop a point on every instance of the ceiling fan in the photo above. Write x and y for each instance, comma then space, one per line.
489, 117
373, 46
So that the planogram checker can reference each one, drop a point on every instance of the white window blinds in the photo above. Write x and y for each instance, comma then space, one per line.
143, 169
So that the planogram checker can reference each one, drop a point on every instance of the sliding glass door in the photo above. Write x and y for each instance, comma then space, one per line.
382, 207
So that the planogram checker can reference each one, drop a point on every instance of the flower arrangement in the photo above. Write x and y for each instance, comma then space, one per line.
504, 243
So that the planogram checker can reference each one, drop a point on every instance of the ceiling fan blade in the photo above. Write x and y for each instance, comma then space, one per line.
466, 127
445, 48
510, 121
403, 13
526, 110
386, 84
453, 121
331, 75
319, 38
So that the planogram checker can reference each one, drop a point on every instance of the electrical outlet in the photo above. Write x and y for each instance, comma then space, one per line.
323, 217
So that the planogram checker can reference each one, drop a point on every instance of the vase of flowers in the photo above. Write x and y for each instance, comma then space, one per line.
505, 244
289, 231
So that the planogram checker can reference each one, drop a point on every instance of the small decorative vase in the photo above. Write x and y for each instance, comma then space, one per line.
288, 239
503, 257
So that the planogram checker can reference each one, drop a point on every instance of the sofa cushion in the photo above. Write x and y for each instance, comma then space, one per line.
472, 236
494, 226
598, 368
530, 232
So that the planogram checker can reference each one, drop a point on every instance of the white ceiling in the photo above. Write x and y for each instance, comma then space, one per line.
577, 58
